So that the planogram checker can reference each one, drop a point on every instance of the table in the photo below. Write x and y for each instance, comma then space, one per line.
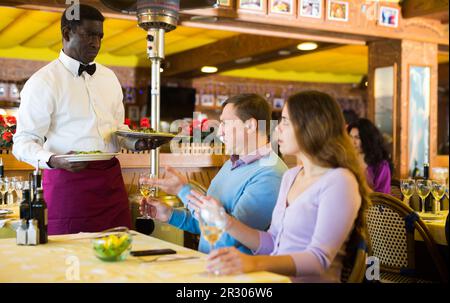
437, 230
70, 258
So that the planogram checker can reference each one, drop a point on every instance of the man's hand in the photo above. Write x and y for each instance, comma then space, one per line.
171, 183
156, 209
62, 163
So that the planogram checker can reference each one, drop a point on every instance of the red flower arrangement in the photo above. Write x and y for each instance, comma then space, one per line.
7, 130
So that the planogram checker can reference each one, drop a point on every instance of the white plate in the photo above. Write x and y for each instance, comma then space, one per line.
4, 212
88, 157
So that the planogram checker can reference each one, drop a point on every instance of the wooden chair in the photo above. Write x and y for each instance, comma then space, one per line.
355, 273
391, 226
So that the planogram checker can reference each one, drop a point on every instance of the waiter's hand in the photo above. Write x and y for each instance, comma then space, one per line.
156, 209
172, 182
62, 163
141, 145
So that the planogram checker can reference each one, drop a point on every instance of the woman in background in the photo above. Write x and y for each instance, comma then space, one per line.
373, 155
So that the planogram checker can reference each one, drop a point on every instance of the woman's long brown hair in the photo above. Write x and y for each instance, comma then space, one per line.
320, 132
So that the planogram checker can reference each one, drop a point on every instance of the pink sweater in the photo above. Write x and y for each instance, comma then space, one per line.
315, 227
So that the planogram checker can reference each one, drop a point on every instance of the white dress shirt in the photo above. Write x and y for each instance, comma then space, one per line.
62, 112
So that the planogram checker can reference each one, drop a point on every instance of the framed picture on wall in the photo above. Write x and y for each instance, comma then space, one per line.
284, 7
388, 16
258, 6
311, 8
225, 3
278, 103
338, 10
133, 113
221, 100
207, 100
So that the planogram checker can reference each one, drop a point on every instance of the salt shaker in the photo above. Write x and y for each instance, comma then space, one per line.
33, 232
21, 233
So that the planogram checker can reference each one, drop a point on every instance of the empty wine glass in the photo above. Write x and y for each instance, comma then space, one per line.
19, 188
423, 188
437, 190
10, 187
146, 191
407, 186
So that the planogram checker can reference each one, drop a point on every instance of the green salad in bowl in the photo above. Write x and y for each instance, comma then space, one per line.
113, 244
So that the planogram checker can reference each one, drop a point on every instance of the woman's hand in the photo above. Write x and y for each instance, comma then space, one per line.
229, 260
197, 202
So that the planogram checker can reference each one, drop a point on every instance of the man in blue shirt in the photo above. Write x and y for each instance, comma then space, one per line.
247, 185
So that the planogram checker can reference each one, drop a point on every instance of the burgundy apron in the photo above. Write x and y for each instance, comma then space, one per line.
91, 200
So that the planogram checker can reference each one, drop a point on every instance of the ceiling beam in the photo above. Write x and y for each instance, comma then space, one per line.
231, 53
423, 8
222, 52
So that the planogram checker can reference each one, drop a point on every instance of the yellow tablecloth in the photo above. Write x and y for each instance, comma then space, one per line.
58, 260
437, 230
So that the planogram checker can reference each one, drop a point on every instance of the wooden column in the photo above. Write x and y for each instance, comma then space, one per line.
401, 54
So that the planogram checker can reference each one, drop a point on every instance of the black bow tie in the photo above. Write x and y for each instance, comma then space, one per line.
234, 158
90, 69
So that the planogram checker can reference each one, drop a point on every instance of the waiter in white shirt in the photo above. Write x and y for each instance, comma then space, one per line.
73, 104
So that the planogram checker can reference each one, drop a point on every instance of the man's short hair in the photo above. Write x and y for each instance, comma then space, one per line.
249, 106
87, 12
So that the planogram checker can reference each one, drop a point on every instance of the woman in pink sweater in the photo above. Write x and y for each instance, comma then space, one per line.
320, 204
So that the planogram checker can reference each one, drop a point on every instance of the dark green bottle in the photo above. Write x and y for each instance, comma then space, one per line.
40, 213
25, 204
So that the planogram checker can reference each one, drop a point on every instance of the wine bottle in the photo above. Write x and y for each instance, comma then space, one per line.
36, 180
25, 205
40, 213
428, 199
2, 169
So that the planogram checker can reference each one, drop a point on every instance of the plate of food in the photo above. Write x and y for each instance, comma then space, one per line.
85, 156
145, 134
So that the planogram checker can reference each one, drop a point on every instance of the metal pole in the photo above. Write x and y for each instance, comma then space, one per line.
155, 50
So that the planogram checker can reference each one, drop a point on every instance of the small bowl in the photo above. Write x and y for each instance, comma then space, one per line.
113, 244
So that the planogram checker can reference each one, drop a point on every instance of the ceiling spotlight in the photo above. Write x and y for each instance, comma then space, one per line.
284, 52
209, 69
307, 46
243, 60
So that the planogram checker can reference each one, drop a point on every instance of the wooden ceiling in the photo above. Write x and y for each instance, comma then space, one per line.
35, 35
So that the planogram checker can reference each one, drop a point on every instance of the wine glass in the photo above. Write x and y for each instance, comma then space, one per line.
423, 188
407, 186
10, 187
446, 188
437, 190
146, 191
19, 188
212, 221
